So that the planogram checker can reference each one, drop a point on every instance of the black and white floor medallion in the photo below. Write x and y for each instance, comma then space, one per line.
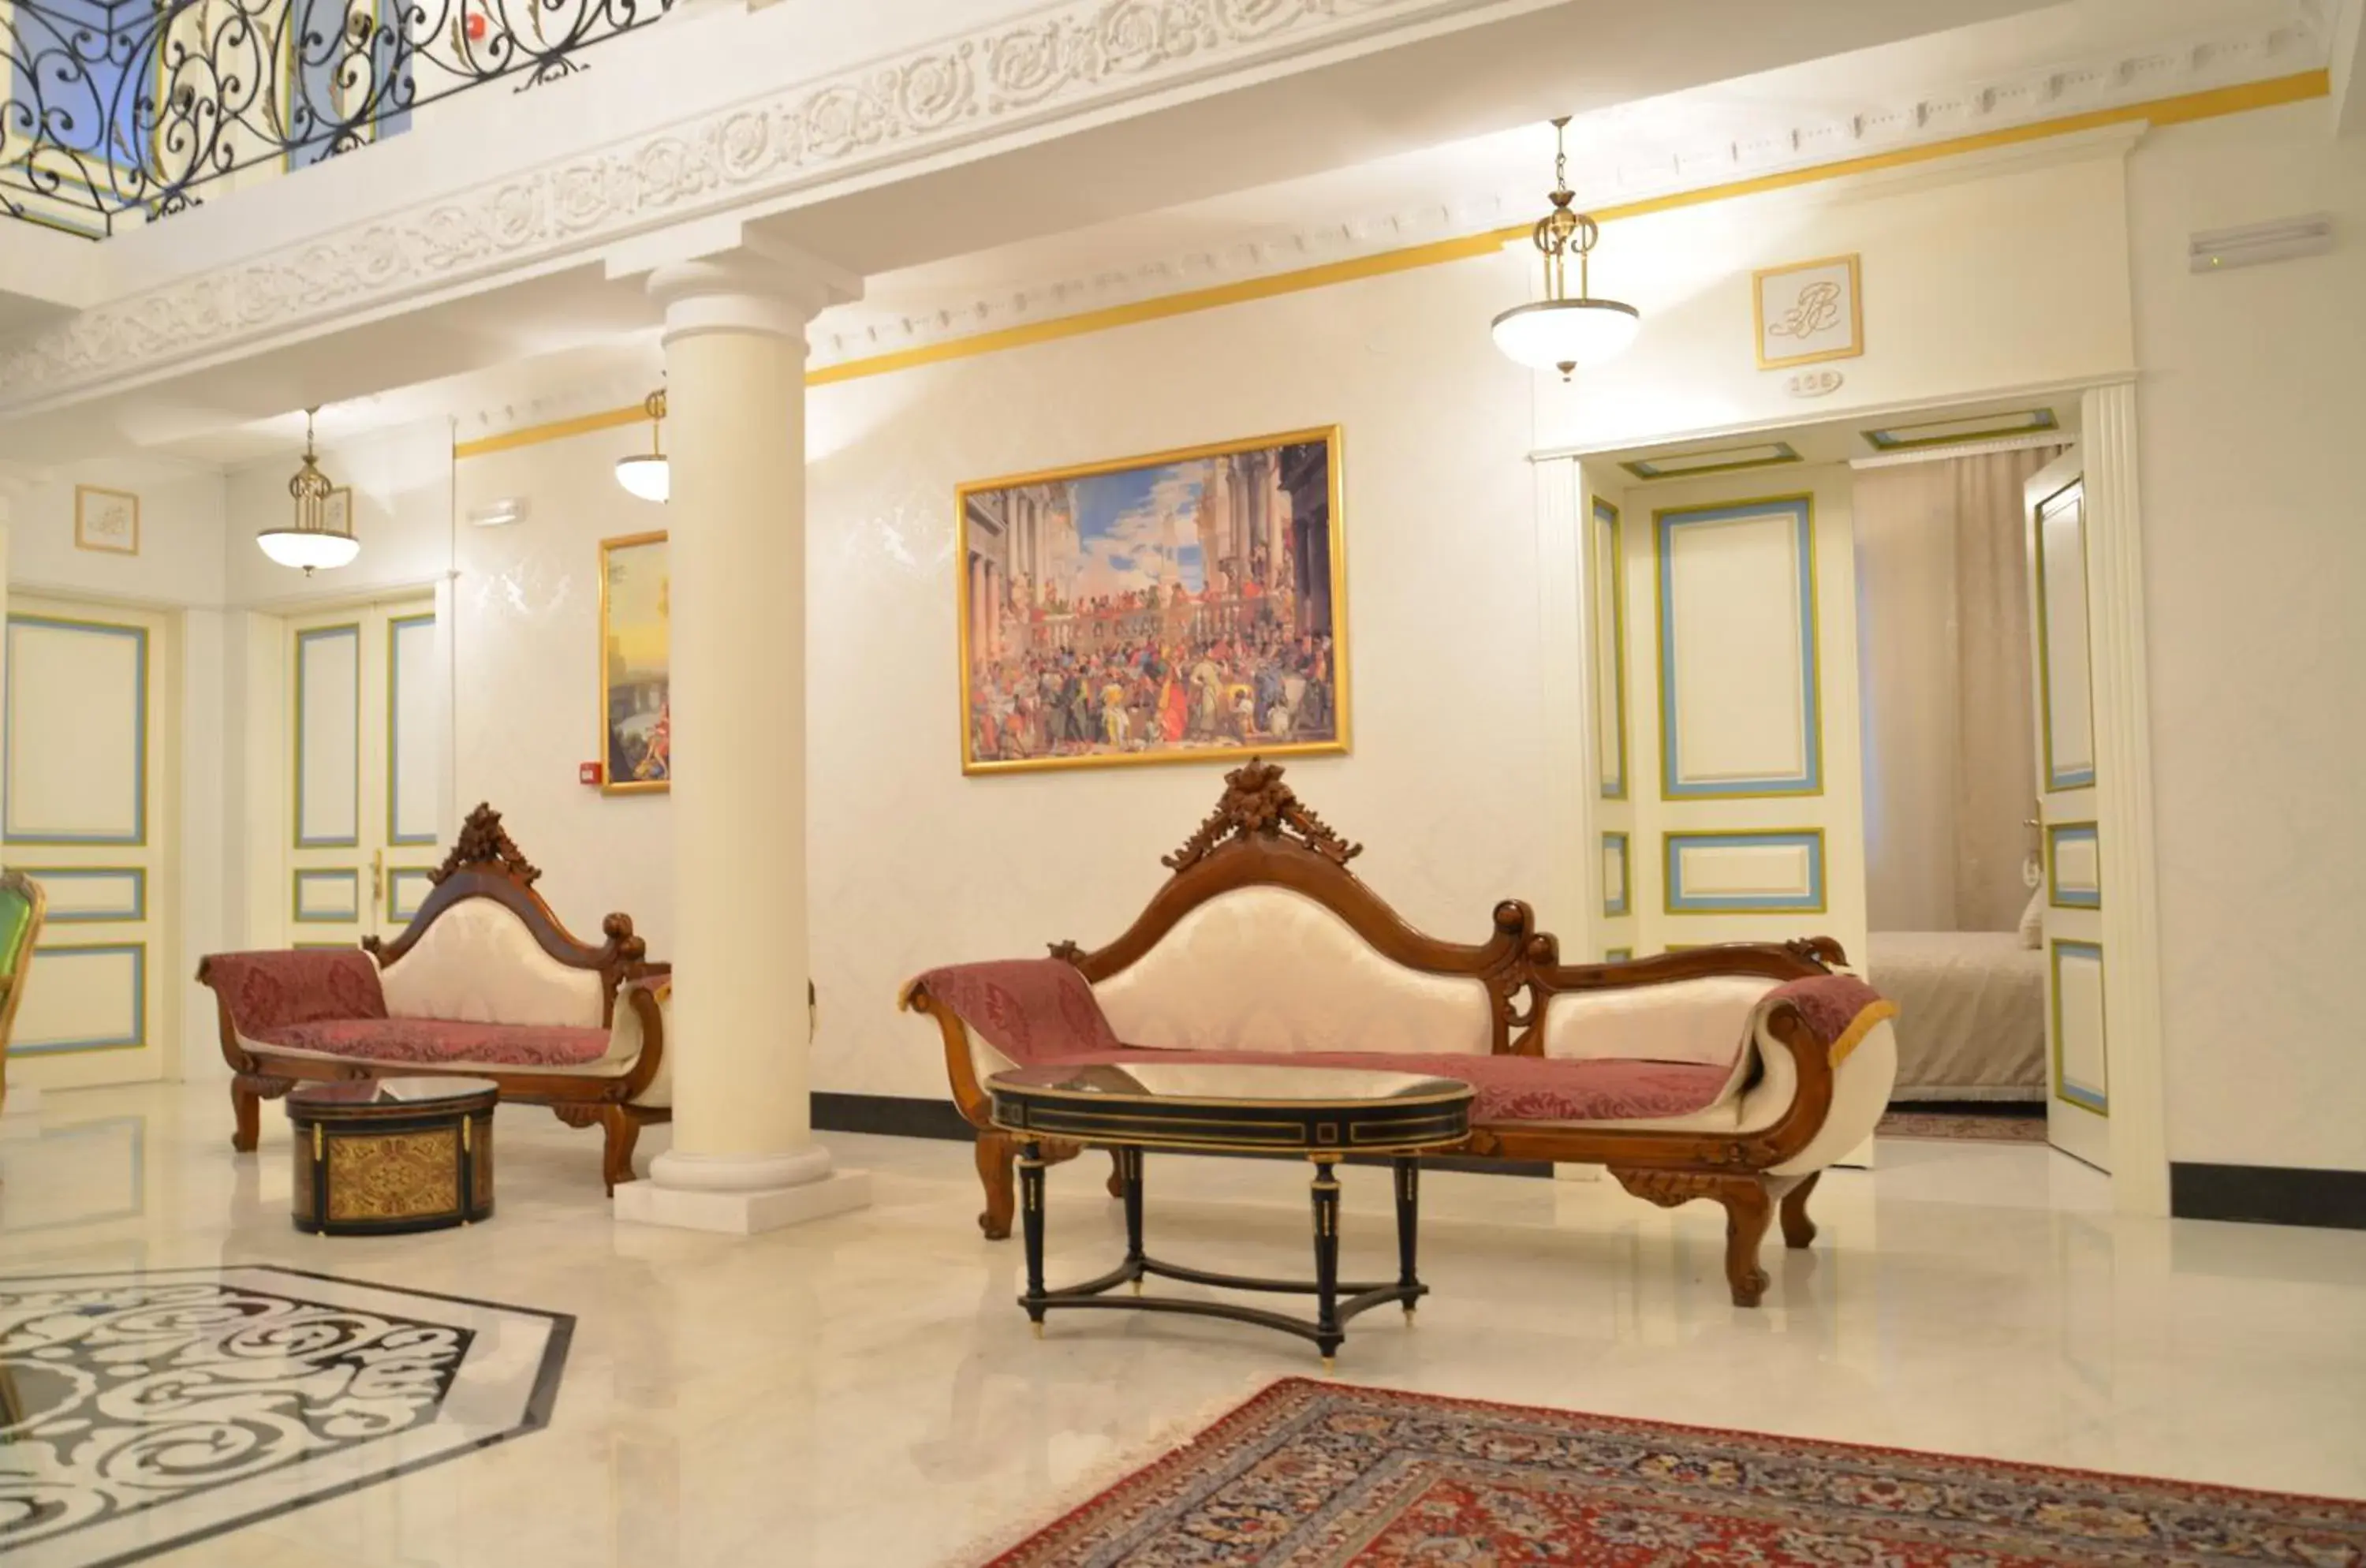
143, 1411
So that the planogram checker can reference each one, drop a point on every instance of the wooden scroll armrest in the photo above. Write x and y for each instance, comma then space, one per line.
969, 1095
1810, 1061
645, 994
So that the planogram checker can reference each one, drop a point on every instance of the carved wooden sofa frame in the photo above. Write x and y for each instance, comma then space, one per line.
1260, 836
484, 864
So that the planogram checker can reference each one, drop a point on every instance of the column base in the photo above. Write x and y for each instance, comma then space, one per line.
741, 1195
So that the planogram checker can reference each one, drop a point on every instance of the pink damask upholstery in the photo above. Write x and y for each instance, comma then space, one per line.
266, 991
1839, 1008
1031, 1010
429, 1041
1509, 1088
1037, 1010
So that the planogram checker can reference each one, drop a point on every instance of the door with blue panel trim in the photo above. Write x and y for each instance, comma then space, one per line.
1742, 616
85, 793
2078, 1090
364, 760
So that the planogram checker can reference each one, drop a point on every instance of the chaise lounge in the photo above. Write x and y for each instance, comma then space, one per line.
484, 982
1734, 1072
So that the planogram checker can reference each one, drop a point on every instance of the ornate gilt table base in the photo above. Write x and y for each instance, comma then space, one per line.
372, 1160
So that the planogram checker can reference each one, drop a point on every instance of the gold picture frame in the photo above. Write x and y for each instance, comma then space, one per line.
107, 520
1816, 306
635, 665
337, 510
1179, 606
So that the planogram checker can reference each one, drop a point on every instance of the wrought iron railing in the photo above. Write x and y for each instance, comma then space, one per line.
127, 110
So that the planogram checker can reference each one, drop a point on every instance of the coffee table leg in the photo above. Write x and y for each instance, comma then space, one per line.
1408, 1227
1326, 1257
1129, 1163
1031, 1204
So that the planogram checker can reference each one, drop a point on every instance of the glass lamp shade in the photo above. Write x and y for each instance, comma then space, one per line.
647, 476
308, 548
1566, 333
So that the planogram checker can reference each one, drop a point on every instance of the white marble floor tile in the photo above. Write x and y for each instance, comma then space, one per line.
863, 1391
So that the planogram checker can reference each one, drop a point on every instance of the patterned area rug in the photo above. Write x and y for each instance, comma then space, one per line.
1974, 1126
1319, 1475
143, 1411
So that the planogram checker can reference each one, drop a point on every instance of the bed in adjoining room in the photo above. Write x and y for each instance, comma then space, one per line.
1971, 1013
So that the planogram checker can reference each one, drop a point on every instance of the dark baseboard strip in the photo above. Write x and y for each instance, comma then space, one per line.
893, 1115
2268, 1194
901, 1116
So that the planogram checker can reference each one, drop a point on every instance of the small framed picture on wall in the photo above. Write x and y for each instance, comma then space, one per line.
107, 520
337, 510
1808, 311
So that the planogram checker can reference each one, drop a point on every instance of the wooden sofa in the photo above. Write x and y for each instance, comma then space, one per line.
484, 982
1734, 1072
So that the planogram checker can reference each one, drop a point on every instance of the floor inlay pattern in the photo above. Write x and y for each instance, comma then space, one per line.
141, 1411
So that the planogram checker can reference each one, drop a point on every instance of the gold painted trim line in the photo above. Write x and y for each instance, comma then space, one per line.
2275, 93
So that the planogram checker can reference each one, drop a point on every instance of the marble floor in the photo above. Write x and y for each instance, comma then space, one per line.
863, 1391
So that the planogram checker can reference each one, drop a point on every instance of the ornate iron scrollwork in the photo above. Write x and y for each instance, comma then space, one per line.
117, 108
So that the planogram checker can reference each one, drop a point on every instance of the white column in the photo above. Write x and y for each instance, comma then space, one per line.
2115, 616
743, 1157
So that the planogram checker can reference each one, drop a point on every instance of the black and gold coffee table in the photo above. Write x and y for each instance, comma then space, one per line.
376, 1157
1324, 1113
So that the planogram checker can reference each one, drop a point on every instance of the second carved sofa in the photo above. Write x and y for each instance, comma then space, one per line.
1734, 1072
484, 982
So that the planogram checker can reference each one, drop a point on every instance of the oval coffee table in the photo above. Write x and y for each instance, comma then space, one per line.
1324, 1113
378, 1156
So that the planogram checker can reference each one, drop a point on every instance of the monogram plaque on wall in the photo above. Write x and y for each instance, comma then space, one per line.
1808, 311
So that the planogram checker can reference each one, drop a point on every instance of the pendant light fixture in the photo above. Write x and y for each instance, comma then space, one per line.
315, 540
649, 475
1556, 329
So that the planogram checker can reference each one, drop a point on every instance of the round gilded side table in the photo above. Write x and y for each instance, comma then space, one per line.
377, 1156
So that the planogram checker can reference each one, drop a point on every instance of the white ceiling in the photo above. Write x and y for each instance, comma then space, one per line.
2039, 64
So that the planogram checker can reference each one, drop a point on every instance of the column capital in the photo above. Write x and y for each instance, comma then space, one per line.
717, 277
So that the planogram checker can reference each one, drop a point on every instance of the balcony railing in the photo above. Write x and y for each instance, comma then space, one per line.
122, 111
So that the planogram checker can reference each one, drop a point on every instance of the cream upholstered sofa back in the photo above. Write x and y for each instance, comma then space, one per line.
1704, 1020
1265, 968
478, 962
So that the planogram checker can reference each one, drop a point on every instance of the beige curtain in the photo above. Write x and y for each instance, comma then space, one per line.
1942, 642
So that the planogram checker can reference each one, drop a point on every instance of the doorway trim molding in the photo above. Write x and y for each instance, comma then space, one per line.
2107, 439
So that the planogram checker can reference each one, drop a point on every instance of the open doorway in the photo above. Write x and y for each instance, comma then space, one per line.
1841, 680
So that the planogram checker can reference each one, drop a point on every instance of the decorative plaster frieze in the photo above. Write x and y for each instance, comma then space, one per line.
1635, 154
1085, 55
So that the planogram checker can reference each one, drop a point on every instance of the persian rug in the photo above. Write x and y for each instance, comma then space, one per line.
1992, 1127
1312, 1474
143, 1411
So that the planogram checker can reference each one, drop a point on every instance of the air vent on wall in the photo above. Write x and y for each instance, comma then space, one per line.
2249, 246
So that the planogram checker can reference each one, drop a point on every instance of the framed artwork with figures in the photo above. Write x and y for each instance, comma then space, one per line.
635, 665
1808, 311
1182, 606
107, 520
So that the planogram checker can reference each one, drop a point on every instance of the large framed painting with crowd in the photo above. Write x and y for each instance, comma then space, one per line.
635, 665
1188, 605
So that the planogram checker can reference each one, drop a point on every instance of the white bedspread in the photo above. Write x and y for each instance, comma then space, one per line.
1971, 1008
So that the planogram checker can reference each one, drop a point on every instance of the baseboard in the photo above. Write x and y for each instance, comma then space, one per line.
902, 1116
2268, 1194
892, 1116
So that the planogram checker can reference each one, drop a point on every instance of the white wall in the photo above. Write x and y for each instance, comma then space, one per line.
912, 863
181, 523
2253, 472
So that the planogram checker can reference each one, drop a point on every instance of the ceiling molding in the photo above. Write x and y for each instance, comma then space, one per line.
1646, 165
1085, 57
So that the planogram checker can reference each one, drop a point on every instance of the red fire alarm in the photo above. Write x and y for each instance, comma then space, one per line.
587, 773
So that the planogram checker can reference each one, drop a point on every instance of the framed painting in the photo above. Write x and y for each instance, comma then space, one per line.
1808, 311
337, 511
635, 665
1183, 607
107, 520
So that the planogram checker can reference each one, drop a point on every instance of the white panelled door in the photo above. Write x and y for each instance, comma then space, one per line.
86, 790
365, 757
2078, 1098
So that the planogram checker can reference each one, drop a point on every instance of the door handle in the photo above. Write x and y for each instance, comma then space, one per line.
377, 875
